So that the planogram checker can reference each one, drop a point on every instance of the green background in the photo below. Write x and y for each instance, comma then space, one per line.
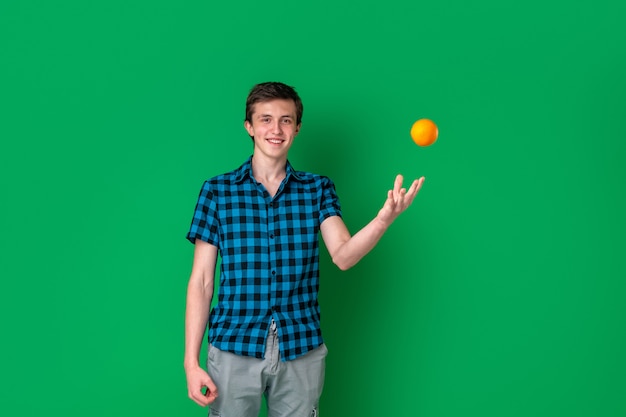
501, 292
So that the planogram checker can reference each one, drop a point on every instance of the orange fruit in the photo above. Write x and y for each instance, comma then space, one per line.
424, 132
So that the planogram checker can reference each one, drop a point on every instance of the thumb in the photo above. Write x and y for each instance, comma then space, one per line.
211, 391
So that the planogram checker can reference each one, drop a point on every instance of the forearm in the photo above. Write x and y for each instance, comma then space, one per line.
196, 317
347, 250
356, 247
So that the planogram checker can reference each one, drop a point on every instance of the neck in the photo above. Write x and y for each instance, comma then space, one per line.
265, 169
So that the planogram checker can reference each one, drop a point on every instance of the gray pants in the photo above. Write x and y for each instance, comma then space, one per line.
291, 388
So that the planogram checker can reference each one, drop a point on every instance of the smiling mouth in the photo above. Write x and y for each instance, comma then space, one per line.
275, 141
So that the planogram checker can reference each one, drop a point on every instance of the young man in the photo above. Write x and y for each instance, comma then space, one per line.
264, 219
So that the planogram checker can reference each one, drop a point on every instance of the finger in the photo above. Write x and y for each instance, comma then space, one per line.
415, 187
199, 398
417, 184
210, 386
397, 184
390, 198
211, 397
211, 391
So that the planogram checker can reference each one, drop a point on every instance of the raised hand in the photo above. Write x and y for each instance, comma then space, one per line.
398, 200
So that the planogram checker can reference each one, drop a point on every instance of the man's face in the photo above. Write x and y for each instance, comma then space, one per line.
273, 127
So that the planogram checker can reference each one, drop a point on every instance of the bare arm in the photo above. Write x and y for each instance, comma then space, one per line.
199, 297
345, 250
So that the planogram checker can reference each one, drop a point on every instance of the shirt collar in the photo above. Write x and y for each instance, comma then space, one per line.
246, 171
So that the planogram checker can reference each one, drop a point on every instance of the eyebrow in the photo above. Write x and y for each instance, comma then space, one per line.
269, 115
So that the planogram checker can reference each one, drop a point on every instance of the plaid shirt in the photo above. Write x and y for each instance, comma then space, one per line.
269, 258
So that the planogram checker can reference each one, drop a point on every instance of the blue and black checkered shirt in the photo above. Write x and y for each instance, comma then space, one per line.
269, 258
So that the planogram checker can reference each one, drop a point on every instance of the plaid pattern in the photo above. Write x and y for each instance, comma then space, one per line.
270, 258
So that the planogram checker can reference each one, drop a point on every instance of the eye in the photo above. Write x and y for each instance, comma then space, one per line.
265, 119
286, 121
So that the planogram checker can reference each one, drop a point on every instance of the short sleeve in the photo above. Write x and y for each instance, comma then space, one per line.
204, 225
330, 202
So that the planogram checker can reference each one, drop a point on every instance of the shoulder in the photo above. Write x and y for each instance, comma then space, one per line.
320, 186
311, 178
218, 188
227, 179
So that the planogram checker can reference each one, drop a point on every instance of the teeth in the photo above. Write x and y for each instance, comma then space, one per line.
276, 141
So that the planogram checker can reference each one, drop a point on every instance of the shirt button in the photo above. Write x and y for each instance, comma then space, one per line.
273, 272
272, 236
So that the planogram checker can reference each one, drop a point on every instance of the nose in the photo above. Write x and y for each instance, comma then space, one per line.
276, 127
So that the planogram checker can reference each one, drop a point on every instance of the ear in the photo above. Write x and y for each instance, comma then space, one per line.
298, 128
249, 128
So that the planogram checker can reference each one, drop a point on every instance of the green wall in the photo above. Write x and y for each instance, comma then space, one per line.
499, 293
